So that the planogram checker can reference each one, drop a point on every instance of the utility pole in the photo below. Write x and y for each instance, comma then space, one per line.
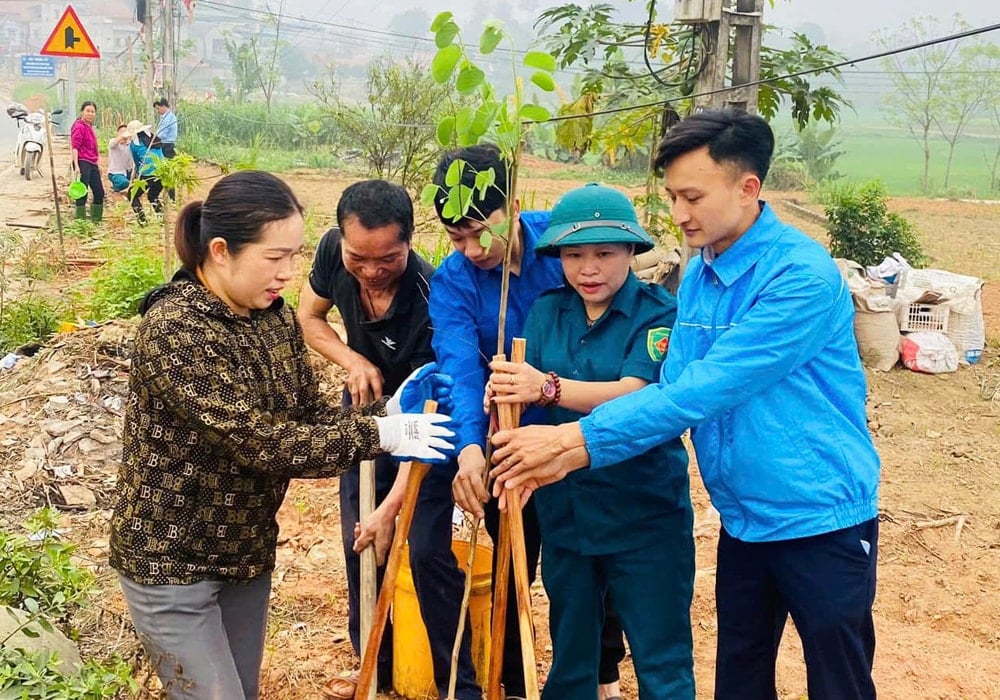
147, 34
731, 31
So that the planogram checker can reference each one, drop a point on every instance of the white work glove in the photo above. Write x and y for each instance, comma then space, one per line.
420, 436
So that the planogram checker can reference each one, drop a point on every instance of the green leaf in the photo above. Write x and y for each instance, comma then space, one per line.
444, 63
508, 138
446, 34
446, 131
31, 605
485, 116
428, 193
440, 20
454, 174
484, 180
30, 632
544, 81
533, 113
486, 239
500, 229
540, 60
463, 121
469, 78
491, 37
458, 202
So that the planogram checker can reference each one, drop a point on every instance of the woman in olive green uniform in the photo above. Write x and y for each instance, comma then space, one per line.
624, 531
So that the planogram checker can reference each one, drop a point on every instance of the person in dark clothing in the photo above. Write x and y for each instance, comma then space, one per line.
366, 268
86, 161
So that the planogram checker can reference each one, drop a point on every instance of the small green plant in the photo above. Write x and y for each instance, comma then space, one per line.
864, 230
38, 570
80, 228
435, 254
121, 283
28, 319
26, 676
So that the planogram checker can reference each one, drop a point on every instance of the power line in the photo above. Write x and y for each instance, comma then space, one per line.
832, 66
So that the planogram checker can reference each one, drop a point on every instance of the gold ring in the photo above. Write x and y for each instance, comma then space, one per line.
513, 380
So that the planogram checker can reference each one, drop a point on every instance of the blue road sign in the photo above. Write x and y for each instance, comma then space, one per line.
38, 67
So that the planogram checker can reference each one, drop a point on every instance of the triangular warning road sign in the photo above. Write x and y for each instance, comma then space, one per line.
69, 38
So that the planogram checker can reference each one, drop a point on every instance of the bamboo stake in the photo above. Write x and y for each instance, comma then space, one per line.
510, 416
368, 563
366, 678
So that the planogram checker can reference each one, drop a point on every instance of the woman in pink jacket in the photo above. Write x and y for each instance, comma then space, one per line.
83, 141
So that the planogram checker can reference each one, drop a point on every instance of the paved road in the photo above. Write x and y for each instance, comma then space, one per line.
8, 135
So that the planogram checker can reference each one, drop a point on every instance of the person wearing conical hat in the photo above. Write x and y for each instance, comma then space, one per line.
624, 531
146, 153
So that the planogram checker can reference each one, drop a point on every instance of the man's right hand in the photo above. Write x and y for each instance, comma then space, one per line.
469, 486
364, 380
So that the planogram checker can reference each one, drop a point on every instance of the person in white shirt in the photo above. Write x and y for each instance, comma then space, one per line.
119, 160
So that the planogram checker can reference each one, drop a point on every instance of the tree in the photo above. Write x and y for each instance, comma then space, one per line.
920, 80
394, 128
256, 63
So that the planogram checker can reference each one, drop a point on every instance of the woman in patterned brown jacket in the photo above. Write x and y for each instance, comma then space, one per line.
223, 410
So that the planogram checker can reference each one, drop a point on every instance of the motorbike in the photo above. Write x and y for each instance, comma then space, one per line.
30, 138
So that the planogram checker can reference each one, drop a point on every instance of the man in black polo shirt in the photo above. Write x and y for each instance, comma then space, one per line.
367, 269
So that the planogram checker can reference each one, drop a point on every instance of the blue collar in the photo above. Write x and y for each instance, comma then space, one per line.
747, 250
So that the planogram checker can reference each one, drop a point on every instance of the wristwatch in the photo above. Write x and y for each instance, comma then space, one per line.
551, 390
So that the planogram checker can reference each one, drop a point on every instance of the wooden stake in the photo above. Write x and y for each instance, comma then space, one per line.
368, 563
511, 546
55, 192
510, 419
369, 660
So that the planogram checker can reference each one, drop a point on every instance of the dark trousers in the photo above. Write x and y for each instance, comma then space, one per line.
438, 581
90, 175
826, 583
153, 189
512, 675
650, 588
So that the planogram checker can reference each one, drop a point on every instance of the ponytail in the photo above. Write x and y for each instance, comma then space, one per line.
187, 236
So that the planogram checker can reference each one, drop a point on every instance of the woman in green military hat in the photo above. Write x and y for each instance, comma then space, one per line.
624, 531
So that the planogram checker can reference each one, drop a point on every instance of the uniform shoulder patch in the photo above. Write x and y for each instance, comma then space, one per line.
657, 341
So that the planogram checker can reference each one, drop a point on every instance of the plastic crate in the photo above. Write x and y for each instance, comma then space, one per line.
922, 317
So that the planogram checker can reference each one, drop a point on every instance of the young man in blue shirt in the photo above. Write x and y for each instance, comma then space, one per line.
464, 310
764, 368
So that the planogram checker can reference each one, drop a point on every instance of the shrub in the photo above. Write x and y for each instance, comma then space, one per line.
864, 230
27, 676
121, 283
41, 569
25, 320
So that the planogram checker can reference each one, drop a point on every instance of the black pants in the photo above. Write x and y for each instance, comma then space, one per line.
826, 583
153, 189
512, 677
90, 175
438, 581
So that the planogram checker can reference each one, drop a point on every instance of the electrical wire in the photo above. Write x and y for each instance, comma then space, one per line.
832, 66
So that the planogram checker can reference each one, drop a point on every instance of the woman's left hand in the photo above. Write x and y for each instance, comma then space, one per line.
516, 382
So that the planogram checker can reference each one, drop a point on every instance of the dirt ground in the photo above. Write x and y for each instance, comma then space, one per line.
937, 611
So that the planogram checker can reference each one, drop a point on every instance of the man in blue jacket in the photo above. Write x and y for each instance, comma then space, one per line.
763, 367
